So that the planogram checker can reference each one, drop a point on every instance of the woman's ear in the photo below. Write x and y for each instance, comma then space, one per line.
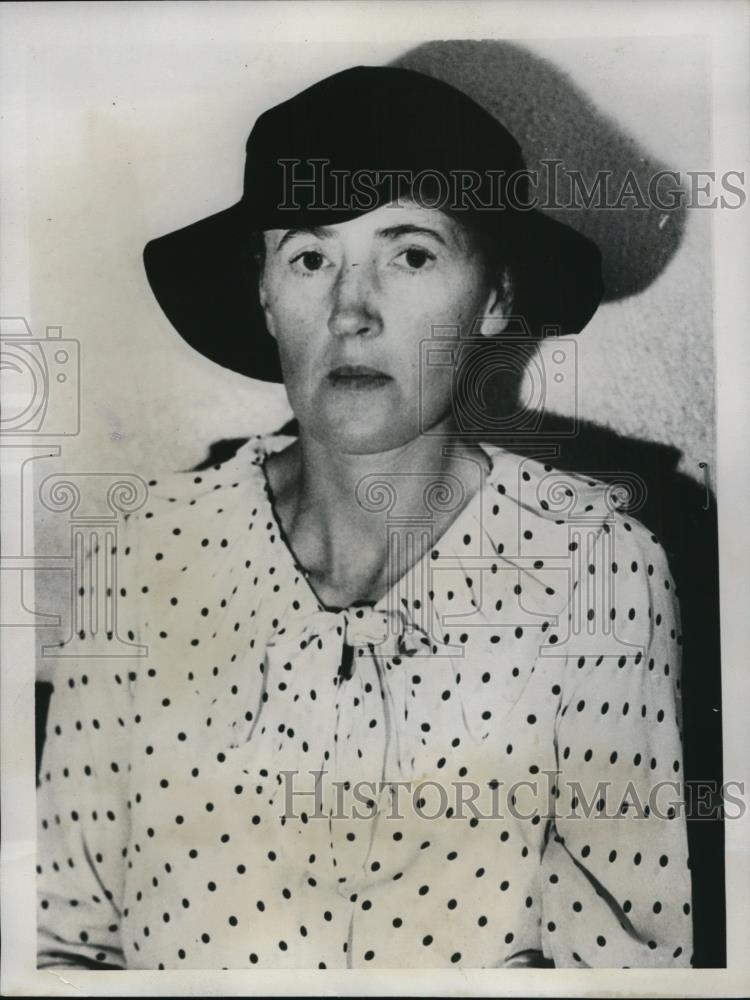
263, 299
499, 306
259, 250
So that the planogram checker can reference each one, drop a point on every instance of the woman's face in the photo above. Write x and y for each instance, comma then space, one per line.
368, 294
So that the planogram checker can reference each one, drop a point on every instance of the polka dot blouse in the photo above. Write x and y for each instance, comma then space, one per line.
482, 769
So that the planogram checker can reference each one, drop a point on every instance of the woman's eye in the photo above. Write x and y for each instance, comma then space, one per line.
416, 258
309, 260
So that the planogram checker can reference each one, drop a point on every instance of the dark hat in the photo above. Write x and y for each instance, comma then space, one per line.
345, 146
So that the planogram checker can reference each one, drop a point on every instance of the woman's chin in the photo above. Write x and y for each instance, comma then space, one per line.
363, 433
366, 439
362, 423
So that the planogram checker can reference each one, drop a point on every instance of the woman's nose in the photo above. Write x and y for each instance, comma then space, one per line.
354, 310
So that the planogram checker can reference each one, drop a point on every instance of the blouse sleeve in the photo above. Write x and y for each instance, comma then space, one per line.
82, 801
615, 873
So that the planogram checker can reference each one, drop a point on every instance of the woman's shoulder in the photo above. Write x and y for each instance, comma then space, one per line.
195, 492
551, 502
198, 530
198, 516
543, 489
568, 532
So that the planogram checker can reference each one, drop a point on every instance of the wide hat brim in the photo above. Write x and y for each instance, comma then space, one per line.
205, 275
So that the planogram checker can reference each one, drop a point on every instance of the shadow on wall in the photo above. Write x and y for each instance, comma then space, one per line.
553, 120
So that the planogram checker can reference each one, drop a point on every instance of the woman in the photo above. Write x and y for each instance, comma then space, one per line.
402, 706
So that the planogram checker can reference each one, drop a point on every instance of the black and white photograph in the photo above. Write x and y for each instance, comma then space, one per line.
374, 461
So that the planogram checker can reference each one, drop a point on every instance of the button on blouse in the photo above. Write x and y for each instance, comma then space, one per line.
481, 769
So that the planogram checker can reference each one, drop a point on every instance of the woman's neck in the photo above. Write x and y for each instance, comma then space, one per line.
339, 510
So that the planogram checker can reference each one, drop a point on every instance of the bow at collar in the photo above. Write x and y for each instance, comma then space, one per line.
387, 633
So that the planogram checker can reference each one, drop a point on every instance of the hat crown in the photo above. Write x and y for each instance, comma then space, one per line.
388, 123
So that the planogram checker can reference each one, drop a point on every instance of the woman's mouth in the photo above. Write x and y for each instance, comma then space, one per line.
357, 377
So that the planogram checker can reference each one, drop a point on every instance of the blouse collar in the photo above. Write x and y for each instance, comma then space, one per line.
410, 618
